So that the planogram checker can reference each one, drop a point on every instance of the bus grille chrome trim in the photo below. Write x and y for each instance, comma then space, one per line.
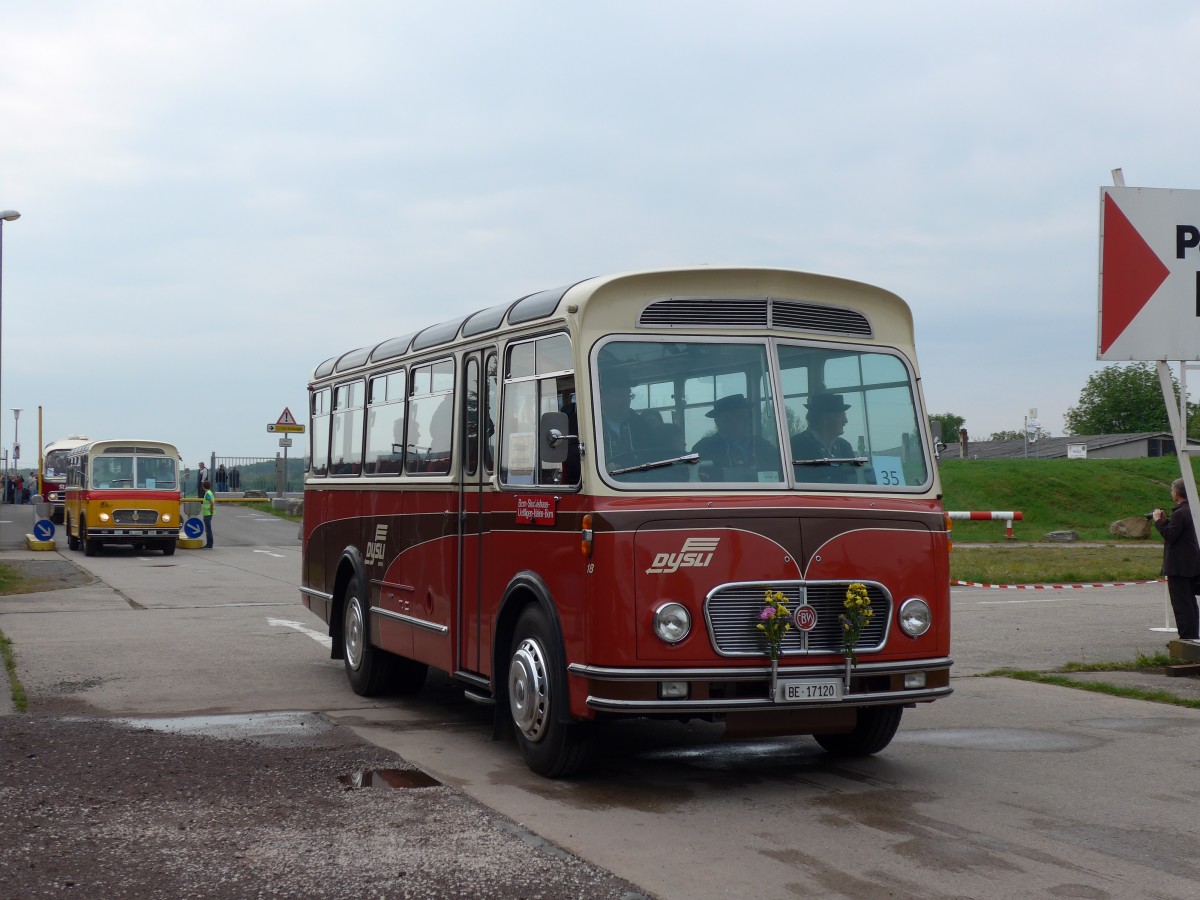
731, 613
754, 312
135, 517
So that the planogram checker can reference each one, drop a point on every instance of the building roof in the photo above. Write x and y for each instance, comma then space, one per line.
1053, 447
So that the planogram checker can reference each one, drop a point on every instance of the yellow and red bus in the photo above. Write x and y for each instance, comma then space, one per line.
579, 503
123, 492
53, 487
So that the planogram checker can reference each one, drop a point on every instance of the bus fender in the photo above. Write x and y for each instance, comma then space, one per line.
349, 565
525, 587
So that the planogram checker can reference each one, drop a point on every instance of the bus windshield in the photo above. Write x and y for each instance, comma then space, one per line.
753, 412
55, 464
115, 472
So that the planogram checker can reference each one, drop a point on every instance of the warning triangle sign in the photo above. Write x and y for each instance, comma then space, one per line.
1132, 273
286, 418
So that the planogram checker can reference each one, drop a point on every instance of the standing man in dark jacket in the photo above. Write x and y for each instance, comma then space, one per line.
1181, 561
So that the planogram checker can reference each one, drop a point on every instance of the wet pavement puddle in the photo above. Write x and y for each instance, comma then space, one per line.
1013, 739
388, 778
272, 726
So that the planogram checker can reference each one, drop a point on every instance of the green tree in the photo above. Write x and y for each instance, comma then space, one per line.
1007, 436
950, 425
1123, 399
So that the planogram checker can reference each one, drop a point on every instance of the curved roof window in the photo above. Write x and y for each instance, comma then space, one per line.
353, 359
485, 320
536, 306
390, 349
437, 334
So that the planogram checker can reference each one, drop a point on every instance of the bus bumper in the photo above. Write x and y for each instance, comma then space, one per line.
703, 692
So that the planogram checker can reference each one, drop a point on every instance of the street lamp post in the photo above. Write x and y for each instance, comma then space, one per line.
7, 215
16, 439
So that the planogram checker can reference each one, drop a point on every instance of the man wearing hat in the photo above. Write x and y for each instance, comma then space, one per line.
735, 445
625, 430
823, 438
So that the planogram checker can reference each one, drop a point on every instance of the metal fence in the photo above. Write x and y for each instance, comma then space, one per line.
249, 473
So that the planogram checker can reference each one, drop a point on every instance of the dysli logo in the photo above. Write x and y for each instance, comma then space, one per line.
696, 554
375, 548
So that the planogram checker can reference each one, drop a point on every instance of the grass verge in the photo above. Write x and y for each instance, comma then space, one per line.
1062, 678
20, 701
1050, 564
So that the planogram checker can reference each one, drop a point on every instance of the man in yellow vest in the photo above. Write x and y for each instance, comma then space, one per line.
207, 508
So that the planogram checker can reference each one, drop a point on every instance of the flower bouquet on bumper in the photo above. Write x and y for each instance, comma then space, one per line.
774, 621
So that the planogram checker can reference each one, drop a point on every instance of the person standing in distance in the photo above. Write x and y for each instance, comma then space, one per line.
1181, 561
207, 508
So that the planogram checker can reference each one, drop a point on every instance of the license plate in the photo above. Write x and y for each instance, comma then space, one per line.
809, 690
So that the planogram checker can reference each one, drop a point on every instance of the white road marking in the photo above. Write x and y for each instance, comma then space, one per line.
269, 553
323, 639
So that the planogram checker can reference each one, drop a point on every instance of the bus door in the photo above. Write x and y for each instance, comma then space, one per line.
477, 434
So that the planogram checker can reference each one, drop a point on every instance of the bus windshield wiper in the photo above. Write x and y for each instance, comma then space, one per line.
832, 461
690, 459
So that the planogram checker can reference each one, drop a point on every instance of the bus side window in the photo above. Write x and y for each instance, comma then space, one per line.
319, 449
539, 378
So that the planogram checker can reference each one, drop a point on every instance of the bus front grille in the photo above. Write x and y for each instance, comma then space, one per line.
732, 614
135, 517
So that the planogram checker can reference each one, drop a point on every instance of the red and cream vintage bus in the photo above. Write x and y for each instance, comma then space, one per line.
577, 502
123, 492
53, 486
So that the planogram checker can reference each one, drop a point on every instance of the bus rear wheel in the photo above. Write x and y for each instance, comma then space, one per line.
875, 729
537, 701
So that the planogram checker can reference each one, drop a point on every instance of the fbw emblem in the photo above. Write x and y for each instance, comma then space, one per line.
375, 548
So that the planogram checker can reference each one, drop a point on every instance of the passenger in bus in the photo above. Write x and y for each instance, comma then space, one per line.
734, 451
823, 440
625, 429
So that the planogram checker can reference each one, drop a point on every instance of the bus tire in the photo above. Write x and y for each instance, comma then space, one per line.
875, 729
72, 539
368, 668
537, 701
90, 547
168, 547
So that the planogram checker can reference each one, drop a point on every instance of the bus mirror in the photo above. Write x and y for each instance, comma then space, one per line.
553, 437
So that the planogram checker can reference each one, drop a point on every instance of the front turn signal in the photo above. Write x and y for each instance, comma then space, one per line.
585, 537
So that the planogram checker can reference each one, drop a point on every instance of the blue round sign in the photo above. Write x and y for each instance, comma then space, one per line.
43, 529
193, 527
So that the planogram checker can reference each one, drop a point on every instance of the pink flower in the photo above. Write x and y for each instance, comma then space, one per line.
767, 613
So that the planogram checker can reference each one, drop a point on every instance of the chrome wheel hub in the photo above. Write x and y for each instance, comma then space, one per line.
354, 632
529, 690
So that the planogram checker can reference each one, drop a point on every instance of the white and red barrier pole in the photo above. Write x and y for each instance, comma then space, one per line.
1007, 517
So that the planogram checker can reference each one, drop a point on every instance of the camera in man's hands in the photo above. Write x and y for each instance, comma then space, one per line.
1149, 516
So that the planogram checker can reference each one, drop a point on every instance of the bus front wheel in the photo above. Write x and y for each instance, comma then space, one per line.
72, 539
90, 547
537, 701
875, 729
367, 668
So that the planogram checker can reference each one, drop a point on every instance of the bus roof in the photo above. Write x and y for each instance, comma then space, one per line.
67, 443
127, 446
822, 292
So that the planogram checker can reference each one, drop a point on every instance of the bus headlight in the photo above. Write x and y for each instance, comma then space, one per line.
104, 517
166, 517
672, 622
915, 617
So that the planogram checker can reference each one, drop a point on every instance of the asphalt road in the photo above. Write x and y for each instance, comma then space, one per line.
1005, 789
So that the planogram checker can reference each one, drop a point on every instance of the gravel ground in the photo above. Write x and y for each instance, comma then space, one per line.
97, 808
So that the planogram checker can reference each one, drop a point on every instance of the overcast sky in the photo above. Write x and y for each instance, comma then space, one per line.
217, 196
